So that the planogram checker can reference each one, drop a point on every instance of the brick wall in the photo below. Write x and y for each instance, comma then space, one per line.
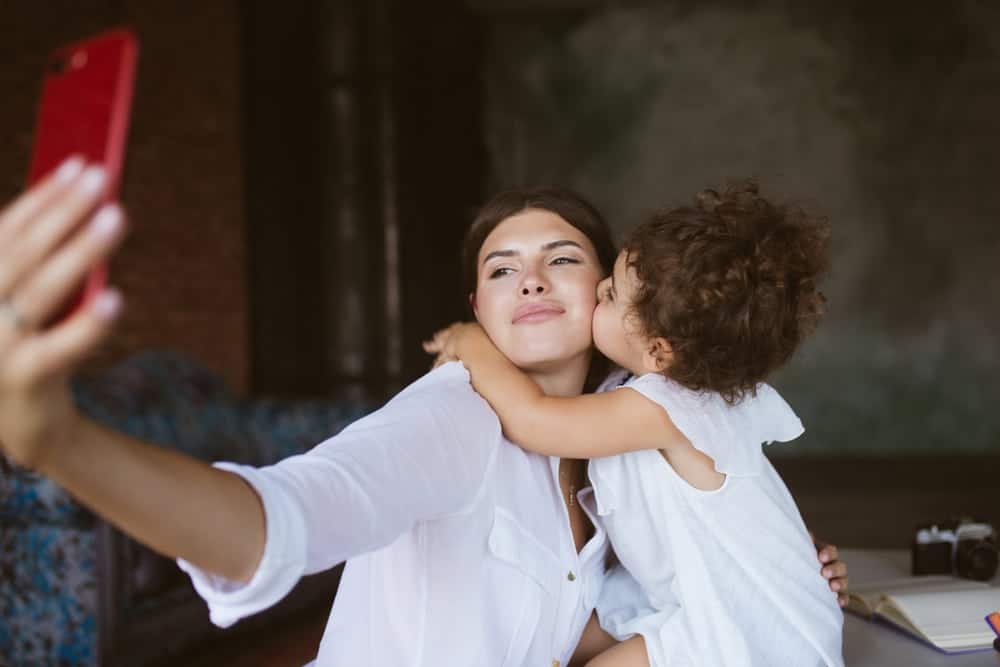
182, 268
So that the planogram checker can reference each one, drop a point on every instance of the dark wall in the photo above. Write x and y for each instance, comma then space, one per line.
317, 264
182, 268
365, 162
882, 116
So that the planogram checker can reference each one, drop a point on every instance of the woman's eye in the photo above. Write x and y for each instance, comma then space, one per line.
500, 272
565, 260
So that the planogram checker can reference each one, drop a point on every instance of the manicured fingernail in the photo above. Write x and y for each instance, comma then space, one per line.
93, 179
108, 304
69, 169
106, 222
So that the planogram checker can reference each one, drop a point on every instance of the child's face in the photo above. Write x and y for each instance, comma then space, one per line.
616, 332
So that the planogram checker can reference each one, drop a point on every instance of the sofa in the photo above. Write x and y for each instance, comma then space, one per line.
75, 591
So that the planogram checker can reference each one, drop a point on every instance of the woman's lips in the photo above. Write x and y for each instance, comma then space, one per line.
531, 313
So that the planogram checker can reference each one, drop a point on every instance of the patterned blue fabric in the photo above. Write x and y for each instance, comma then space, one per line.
47, 545
48, 596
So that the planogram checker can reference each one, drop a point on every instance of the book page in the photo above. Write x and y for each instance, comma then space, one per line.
951, 619
864, 598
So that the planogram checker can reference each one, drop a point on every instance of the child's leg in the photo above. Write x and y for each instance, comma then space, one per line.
630, 653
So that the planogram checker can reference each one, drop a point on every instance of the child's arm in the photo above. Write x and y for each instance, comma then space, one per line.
588, 426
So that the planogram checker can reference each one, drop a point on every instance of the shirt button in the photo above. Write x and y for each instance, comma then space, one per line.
571, 576
555, 663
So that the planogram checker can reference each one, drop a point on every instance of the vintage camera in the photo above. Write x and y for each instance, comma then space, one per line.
962, 547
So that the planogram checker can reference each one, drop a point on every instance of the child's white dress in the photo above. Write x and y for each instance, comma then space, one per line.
726, 577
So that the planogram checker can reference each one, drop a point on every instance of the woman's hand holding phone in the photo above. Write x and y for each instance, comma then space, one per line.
51, 237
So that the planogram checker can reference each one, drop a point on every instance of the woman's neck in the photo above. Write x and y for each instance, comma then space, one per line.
564, 378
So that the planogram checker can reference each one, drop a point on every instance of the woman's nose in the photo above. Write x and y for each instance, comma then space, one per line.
533, 283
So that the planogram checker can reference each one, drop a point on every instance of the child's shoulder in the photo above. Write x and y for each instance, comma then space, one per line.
675, 398
730, 434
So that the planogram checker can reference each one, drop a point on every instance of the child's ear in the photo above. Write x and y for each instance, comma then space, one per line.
658, 355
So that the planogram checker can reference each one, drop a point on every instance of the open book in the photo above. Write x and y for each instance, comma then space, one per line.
945, 612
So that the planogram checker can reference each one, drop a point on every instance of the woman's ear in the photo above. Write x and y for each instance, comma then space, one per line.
658, 355
472, 304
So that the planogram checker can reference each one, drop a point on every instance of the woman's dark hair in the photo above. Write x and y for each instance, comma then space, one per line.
565, 203
569, 206
730, 283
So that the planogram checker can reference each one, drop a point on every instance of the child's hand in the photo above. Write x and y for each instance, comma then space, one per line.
442, 346
448, 342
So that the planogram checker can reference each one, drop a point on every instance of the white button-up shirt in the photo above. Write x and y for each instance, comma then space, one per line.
458, 544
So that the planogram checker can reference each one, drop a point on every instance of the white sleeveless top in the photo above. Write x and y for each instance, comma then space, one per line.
724, 577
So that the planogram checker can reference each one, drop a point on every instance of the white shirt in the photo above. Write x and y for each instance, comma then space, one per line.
458, 544
724, 577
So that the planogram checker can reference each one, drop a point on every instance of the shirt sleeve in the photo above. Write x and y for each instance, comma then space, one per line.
424, 454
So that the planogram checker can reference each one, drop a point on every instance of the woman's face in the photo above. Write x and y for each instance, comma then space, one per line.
536, 290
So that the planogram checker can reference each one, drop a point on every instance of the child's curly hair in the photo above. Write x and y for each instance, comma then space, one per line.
730, 283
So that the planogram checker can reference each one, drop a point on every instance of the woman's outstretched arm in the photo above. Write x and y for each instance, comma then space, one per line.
173, 503
424, 454
50, 238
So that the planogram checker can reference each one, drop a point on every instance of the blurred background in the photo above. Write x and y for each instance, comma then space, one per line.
883, 116
299, 176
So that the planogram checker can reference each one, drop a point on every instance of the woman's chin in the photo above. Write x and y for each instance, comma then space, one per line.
547, 358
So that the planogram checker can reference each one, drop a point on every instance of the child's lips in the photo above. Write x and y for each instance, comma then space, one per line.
531, 313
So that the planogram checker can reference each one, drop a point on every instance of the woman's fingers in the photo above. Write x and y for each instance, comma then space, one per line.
27, 206
834, 569
57, 350
836, 574
49, 287
28, 247
838, 580
827, 553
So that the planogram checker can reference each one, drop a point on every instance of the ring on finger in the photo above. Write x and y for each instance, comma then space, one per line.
10, 314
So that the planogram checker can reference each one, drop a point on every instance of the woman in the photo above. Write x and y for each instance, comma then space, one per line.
461, 548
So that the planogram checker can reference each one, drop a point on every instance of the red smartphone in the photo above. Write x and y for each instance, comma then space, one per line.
84, 110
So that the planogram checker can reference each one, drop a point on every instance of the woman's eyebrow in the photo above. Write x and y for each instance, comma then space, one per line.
551, 245
500, 253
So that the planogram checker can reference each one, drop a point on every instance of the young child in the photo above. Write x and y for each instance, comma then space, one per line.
704, 304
